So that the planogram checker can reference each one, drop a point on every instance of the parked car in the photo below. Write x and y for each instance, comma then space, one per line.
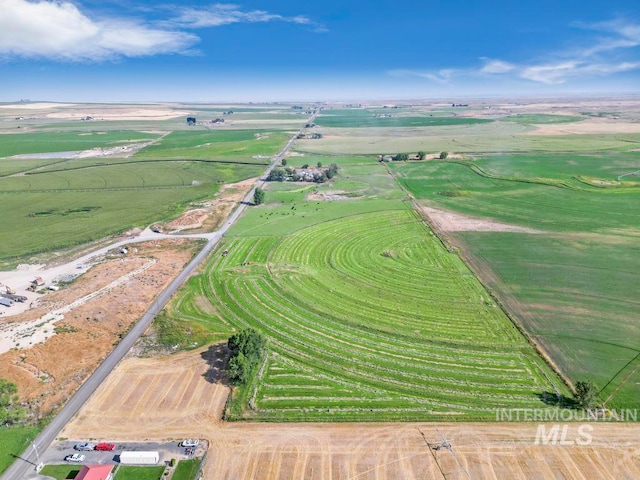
84, 447
76, 458
190, 442
104, 447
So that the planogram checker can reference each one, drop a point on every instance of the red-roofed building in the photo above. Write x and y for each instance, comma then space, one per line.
95, 472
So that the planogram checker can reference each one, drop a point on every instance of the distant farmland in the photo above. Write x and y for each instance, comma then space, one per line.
62, 202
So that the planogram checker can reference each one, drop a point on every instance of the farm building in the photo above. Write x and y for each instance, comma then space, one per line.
95, 472
38, 281
139, 458
191, 121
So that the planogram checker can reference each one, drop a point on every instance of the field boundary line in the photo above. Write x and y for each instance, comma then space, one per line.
474, 267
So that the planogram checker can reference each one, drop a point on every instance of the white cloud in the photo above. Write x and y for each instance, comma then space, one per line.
602, 56
496, 66
59, 30
224, 14
441, 76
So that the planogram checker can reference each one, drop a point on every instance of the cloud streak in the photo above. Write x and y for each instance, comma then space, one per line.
225, 14
561, 67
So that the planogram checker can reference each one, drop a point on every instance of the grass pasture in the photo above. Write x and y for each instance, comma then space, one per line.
368, 316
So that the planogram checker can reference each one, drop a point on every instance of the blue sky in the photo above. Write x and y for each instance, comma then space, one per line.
120, 50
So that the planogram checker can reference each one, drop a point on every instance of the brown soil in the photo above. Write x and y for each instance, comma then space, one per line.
211, 213
447, 221
181, 396
48, 373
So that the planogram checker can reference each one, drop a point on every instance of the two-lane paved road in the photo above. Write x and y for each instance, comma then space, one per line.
24, 465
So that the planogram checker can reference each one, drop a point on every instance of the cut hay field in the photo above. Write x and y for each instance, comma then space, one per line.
573, 284
368, 316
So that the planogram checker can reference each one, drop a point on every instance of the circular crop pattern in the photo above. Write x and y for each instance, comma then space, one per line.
370, 317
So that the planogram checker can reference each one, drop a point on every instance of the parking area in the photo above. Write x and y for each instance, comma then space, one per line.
167, 450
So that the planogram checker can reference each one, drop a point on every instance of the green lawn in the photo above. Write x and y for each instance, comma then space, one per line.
187, 469
14, 441
126, 472
61, 472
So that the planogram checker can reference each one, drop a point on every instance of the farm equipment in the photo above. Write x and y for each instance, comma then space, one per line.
10, 293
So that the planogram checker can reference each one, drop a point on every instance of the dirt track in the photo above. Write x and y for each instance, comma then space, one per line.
181, 396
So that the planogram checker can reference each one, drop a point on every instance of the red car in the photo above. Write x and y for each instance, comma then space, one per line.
105, 447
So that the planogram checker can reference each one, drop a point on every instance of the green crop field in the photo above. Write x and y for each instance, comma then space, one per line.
368, 316
43, 142
542, 119
78, 201
223, 144
62, 202
573, 285
370, 120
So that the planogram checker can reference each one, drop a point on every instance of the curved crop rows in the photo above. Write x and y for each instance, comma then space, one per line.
369, 317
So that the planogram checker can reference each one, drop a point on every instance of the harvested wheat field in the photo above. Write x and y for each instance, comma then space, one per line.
183, 396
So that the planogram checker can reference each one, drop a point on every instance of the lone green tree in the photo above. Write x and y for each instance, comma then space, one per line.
401, 157
258, 196
586, 394
421, 155
247, 349
10, 410
444, 155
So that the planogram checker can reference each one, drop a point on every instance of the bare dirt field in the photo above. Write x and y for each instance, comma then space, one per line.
211, 213
181, 396
455, 222
47, 373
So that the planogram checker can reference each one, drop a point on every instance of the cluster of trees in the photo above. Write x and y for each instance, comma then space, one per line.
289, 174
403, 157
10, 410
247, 349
